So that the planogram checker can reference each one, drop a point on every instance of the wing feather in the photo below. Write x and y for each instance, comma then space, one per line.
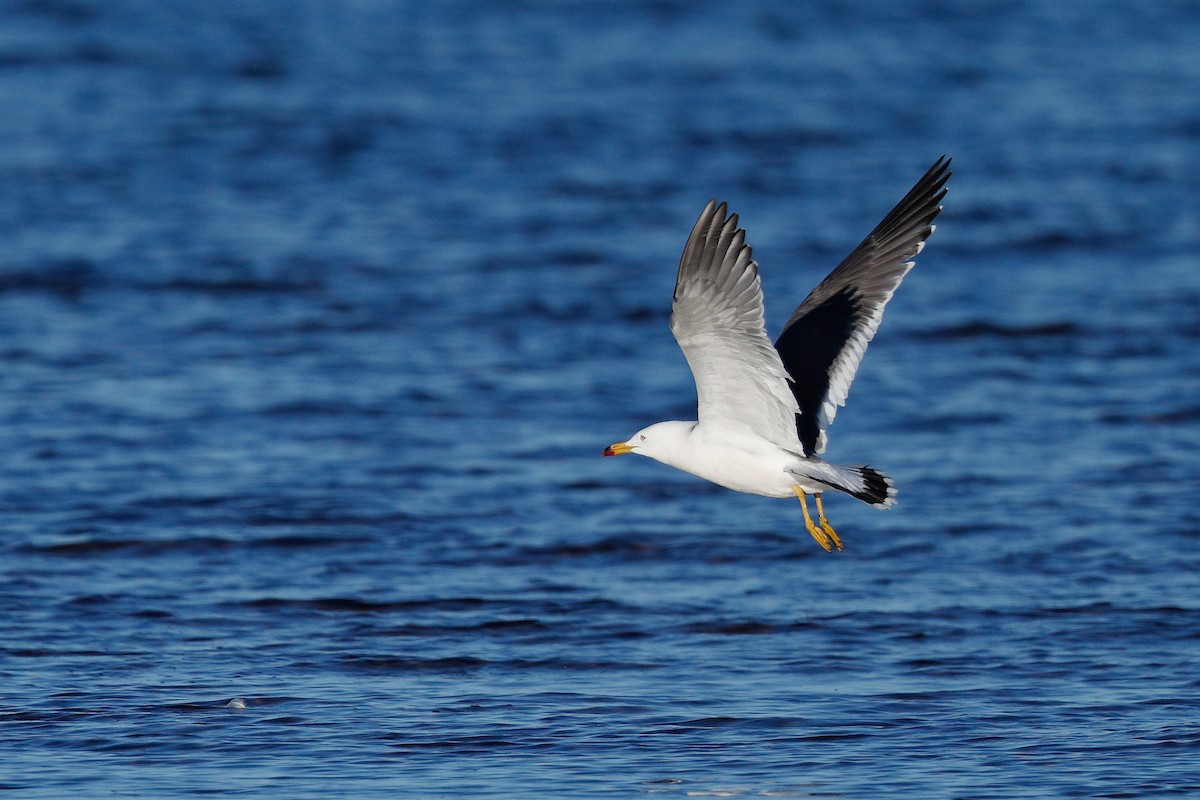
824, 340
717, 318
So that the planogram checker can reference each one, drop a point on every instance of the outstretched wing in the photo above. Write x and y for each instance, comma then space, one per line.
825, 338
717, 318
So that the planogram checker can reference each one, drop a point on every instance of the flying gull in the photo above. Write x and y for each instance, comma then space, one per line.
763, 410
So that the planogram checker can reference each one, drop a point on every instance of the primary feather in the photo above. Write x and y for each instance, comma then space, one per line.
824, 340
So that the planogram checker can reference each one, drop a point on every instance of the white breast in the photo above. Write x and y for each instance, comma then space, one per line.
742, 462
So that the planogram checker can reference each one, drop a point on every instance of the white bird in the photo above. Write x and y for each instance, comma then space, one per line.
763, 409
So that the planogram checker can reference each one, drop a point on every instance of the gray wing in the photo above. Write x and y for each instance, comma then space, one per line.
717, 318
825, 338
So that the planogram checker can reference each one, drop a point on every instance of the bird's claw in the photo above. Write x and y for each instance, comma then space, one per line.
832, 534
819, 534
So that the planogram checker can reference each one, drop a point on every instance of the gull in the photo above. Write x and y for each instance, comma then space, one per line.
762, 410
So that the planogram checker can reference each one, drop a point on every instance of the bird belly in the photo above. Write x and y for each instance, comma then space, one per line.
760, 471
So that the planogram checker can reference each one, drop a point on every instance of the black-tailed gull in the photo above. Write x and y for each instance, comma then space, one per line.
763, 409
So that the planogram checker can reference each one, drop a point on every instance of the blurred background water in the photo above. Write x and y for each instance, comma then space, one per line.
315, 316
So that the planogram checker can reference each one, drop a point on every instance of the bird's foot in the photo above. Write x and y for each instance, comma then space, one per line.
818, 533
831, 533
825, 526
815, 530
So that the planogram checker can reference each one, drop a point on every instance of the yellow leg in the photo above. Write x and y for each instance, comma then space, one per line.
815, 531
825, 526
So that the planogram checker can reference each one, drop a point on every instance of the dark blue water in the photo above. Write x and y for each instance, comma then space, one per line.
315, 317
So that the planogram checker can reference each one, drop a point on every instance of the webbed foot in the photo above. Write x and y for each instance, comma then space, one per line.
819, 532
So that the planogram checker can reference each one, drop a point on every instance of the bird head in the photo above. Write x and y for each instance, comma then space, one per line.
655, 441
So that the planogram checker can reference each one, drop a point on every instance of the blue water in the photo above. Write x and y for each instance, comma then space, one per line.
315, 317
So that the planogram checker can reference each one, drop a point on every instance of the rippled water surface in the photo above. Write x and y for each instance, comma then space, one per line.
315, 317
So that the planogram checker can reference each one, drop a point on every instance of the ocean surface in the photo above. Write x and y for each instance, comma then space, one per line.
315, 317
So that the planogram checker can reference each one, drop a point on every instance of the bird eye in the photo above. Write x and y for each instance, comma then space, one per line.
642, 437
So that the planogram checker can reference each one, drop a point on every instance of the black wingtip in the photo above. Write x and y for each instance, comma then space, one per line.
922, 203
939, 173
